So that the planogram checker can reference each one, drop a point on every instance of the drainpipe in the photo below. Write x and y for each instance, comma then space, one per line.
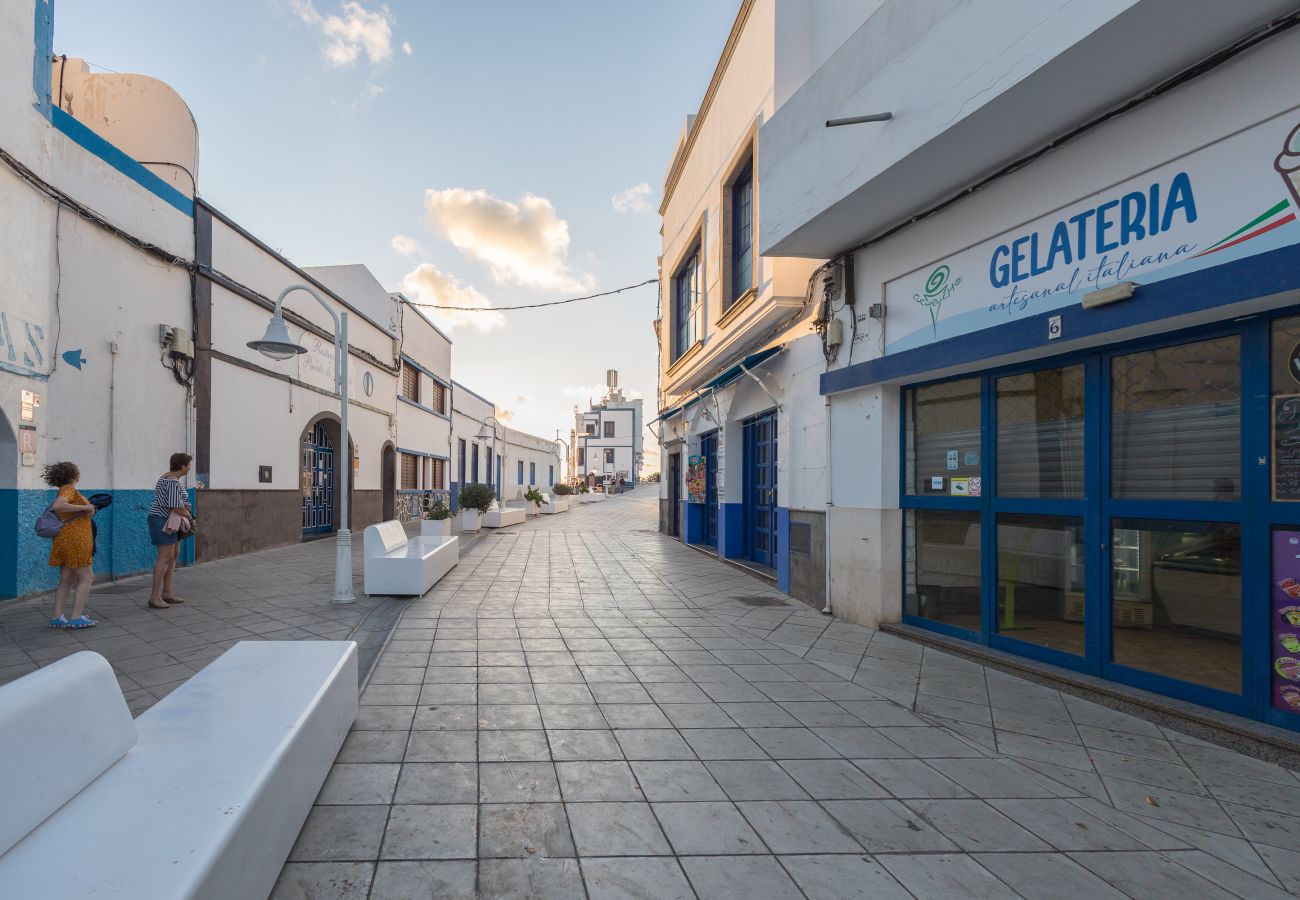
826, 550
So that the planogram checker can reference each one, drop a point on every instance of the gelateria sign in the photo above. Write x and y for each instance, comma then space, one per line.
1234, 198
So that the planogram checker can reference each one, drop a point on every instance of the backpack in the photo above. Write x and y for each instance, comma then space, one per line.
48, 524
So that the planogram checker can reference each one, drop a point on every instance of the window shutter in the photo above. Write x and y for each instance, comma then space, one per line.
410, 466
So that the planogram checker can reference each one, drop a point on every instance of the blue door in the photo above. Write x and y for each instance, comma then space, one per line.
760, 489
318, 482
709, 450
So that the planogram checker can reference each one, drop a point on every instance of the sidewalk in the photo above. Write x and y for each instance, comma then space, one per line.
586, 708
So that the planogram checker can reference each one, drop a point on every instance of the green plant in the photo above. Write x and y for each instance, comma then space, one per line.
533, 495
562, 490
476, 496
437, 510
583, 489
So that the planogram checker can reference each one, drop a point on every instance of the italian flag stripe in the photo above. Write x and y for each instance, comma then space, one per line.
1249, 225
1256, 233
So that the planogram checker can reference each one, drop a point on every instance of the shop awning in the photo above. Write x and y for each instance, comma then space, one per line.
751, 362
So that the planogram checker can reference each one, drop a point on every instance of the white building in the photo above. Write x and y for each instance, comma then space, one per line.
530, 462
424, 410
740, 422
487, 452
1063, 407
607, 441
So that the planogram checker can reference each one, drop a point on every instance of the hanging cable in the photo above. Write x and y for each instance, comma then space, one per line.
628, 287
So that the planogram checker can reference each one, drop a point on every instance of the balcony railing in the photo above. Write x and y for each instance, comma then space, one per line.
412, 504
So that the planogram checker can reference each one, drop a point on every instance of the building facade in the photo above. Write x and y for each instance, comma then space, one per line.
424, 412
607, 440
529, 462
740, 421
1061, 412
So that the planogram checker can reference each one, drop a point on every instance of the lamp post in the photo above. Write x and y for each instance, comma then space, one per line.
483, 436
568, 451
278, 345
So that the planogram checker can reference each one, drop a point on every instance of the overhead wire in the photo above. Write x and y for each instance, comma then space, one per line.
627, 287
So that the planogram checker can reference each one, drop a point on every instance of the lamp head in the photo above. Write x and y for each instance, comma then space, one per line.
484, 433
276, 343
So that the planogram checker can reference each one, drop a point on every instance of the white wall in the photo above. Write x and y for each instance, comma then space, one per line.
418, 429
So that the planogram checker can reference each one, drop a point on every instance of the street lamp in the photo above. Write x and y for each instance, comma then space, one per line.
483, 435
278, 345
568, 451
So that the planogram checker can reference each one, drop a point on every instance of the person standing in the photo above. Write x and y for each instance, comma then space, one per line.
169, 498
72, 549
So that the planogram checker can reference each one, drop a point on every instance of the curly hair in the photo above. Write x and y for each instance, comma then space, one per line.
60, 473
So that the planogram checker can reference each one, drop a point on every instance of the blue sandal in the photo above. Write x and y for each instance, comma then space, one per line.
82, 622
59, 622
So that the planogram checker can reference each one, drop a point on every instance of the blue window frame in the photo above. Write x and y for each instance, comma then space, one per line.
521, 471
741, 194
1133, 486
550, 474
474, 464
688, 294
461, 457
532, 473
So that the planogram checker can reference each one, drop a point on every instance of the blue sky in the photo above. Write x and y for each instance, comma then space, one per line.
323, 135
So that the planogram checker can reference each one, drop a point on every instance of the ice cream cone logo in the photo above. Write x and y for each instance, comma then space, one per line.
938, 288
1288, 165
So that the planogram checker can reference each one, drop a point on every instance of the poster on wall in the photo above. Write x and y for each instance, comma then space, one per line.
1284, 643
1235, 198
695, 479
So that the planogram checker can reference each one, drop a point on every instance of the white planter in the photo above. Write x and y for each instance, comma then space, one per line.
531, 509
469, 519
435, 527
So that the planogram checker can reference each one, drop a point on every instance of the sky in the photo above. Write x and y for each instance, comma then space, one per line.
483, 154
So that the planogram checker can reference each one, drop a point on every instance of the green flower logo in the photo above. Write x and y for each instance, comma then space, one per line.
938, 288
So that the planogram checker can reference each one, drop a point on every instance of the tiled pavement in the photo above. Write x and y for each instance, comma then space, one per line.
585, 708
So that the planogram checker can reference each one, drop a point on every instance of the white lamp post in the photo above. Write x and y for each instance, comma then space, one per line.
278, 345
483, 435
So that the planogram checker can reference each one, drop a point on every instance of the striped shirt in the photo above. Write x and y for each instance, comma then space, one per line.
168, 495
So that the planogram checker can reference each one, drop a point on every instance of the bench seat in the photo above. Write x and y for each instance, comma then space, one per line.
500, 518
209, 800
405, 567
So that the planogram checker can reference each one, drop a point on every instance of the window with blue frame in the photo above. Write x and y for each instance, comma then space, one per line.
687, 297
474, 464
1092, 511
532, 473
461, 457
521, 471
550, 474
741, 237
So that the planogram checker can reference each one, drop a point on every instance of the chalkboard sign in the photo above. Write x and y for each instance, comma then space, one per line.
1286, 447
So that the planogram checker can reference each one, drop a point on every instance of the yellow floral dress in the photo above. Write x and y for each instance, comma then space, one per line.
73, 545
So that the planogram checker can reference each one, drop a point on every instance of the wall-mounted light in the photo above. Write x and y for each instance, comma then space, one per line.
1121, 291
859, 120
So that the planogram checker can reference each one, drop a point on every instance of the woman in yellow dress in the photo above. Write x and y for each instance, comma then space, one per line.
73, 546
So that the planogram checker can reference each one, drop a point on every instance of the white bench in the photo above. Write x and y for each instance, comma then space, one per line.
203, 796
503, 516
553, 503
405, 567
593, 497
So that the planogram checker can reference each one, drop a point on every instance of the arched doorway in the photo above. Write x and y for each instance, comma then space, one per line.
321, 460
389, 481
8, 508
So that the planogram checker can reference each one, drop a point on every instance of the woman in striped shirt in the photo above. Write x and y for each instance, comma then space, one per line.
168, 497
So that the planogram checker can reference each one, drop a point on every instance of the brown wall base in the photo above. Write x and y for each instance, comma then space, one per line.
236, 522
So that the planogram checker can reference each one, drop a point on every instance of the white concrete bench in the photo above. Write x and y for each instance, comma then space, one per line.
593, 497
553, 503
203, 796
503, 516
405, 567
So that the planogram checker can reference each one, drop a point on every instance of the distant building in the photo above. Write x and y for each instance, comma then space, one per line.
606, 441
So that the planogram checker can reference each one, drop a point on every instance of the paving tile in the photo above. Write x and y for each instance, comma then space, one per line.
797, 826
1051, 876
646, 878
502, 746
707, 828
722, 743
943, 876
634, 715
524, 830
534, 878
340, 833
974, 825
998, 778
359, 784
459, 717
1149, 874
430, 832
755, 780
887, 826
440, 746
739, 878
849, 877
791, 743
676, 780
445, 782
580, 744
638, 743
616, 829
596, 781
373, 747
324, 881
833, 779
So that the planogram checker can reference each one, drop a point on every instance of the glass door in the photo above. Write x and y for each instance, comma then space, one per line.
709, 450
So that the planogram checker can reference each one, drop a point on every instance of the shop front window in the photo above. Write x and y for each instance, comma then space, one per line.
1040, 596
942, 560
1176, 422
943, 439
1284, 410
1176, 600
1040, 434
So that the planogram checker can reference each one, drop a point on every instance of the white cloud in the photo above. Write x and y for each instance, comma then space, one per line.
431, 288
635, 199
524, 243
505, 415
405, 245
406, 48
525, 398
351, 31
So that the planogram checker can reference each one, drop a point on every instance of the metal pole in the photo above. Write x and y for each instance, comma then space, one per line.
343, 538
859, 120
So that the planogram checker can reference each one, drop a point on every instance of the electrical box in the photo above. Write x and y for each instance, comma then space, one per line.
876, 310
182, 343
834, 333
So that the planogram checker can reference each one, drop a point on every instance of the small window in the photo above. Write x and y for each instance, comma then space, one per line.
410, 472
438, 475
474, 464
591, 428
742, 233
582, 456
550, 474
532, 473
410, 382
609, 457
609, 429
688, 295
438, 398
462, 460
521, 471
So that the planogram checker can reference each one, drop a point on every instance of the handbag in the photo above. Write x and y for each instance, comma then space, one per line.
49, 524
176, 522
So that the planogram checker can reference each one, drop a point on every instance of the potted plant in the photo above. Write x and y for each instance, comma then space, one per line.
534, 498
475, 499
437, 519
561, 490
